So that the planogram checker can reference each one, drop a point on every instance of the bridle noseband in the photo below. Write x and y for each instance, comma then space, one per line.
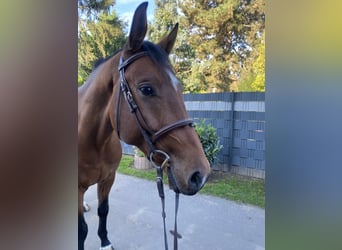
150, 138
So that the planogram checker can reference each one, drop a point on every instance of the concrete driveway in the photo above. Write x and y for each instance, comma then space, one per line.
205, 222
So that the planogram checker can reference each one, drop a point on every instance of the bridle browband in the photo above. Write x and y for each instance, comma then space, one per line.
150, 138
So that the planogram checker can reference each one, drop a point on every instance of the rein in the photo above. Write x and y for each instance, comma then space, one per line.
150, 139
160, 187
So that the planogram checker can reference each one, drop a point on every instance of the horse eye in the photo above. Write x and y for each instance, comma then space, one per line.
147, 90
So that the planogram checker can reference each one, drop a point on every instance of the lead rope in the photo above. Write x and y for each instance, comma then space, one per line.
160, 187
175, 233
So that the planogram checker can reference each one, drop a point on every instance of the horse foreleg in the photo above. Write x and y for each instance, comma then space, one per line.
102, 211
82, 225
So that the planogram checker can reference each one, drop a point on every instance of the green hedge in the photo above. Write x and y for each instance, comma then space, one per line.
210, 141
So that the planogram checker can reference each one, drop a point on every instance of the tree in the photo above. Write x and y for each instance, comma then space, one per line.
253, 79
98, 38
90, 9
165, 17
224, 33
259, 70
218, 40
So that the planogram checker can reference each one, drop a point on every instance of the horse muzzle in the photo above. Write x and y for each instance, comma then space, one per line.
189, 185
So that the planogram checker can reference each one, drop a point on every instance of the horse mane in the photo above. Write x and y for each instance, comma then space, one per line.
157, 54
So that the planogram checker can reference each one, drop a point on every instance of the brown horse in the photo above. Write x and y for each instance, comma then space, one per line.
141, 76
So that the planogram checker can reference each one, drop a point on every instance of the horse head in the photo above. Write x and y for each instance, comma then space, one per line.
158, 108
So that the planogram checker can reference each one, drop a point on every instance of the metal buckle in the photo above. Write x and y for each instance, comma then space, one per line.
161, 153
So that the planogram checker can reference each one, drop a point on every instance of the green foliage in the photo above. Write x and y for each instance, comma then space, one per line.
98, 39
92, 8
241, 189
165, 16
245, 83
217, 40
210, 142
125, 167
253, 79
259, 70
219, 47
80, 80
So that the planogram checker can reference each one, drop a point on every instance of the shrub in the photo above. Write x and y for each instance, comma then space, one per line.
209, 139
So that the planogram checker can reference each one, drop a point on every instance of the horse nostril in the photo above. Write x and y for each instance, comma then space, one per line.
195, 182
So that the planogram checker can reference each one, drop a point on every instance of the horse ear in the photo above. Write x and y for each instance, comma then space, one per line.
167, 42
138, 28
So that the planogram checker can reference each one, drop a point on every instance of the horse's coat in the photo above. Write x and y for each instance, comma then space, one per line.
157, 94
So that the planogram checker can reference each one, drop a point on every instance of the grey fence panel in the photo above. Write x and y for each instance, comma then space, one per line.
241, 131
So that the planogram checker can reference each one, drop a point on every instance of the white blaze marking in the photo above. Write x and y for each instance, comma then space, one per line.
173, 79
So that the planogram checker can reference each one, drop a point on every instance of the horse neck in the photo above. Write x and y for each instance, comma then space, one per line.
97, 101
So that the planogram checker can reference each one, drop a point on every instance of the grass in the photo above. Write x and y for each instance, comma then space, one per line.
223, 185
237, 188
125, 167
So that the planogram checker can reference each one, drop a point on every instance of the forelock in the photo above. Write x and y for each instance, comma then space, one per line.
157, 54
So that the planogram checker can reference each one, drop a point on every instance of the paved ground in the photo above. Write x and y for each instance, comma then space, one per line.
205, 222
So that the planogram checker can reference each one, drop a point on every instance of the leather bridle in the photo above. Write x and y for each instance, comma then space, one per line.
150, 138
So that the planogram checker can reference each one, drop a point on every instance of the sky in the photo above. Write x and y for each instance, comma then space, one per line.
125, 9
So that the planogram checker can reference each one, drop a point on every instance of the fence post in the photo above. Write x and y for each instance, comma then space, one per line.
231, 132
